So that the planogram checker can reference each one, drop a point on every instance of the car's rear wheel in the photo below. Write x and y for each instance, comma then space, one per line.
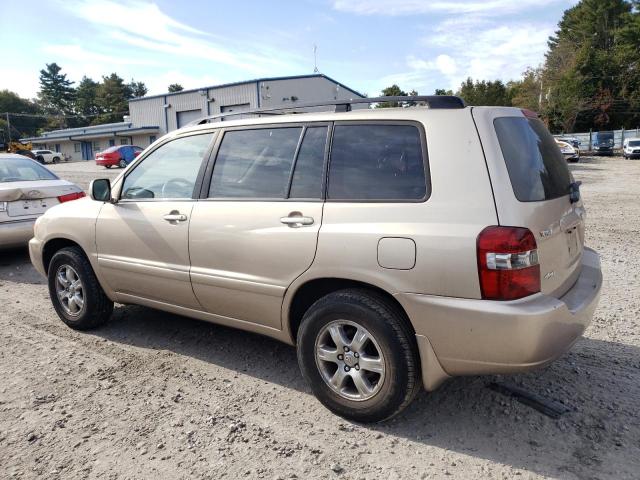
107, 166
56, 159
122, 163
359, 355
75, 291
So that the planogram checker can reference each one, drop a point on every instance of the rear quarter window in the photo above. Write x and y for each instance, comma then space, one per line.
372, 162
536, 167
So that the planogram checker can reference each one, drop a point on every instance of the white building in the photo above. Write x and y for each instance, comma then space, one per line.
151, 117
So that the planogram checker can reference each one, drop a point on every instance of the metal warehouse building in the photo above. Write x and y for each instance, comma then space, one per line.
151, 117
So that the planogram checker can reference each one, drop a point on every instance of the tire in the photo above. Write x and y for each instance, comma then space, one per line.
56, 159
96, 307
389, 332
40, 159
122, 163
107, 166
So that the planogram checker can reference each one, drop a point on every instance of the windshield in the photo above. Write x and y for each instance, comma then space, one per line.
634, 143
536, 167
23, 170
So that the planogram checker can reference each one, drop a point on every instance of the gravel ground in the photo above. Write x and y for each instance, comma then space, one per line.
154, 395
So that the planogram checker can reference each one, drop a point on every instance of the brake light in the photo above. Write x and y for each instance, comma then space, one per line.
71, 196
529, 113
507, 263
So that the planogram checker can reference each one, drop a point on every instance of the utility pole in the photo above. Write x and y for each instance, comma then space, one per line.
315, 59
8, 126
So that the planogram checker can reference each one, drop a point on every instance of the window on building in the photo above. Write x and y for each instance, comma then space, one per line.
95, 146
170, 171
112, 142
376, 162
307, 176
77, 148
255, 163
152, 138
124, 141
58, 147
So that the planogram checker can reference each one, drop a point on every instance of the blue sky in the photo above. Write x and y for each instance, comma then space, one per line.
366, 44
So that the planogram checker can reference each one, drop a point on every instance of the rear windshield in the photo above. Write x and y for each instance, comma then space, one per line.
110, 149
537, 169
23, 170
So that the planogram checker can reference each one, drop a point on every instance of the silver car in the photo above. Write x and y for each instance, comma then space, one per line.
27, 190
390, 260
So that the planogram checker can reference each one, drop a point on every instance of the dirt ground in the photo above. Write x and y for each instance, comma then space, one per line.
154, 395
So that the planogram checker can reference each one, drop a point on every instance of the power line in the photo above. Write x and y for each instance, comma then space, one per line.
50, 115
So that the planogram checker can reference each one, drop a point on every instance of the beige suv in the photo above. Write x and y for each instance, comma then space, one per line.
394, 247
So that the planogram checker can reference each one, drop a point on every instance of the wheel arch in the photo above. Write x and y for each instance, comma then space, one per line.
55, 244
312, 290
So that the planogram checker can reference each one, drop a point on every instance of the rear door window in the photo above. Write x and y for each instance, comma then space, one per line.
536, 167
377, 162
255, 163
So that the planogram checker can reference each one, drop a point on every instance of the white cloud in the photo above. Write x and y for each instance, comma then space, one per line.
143, 25
411, 7
446, 65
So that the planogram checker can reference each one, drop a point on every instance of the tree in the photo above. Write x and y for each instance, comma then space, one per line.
395, 91
86, 100
137, 89
442, 91
484, 92
56, 91
175, 87
24, 125
112, 97
527, 92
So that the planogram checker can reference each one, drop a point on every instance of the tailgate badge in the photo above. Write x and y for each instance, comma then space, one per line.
549, 275
546, 233
33, 193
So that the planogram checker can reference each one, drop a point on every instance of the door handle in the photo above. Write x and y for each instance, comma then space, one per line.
175, 216
296, 220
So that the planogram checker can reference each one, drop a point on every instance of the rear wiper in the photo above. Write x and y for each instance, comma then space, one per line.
574, 191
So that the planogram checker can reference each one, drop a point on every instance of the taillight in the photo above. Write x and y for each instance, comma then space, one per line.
71, 196
507, 263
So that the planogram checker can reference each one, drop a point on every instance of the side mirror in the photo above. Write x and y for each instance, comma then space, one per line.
100, 190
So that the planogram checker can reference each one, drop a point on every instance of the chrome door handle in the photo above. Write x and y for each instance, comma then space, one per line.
297, 221
175, 216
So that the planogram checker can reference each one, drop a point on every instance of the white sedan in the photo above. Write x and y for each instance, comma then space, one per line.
48, 156
27, 190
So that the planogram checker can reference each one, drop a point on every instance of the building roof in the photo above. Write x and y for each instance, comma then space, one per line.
244, 82
94, 131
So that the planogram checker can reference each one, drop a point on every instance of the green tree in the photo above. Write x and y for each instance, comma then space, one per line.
86, 100
56, 91
527, 92
23, 116
442, 91
175, 87
112, 97
395, 91
484, 92
137, 89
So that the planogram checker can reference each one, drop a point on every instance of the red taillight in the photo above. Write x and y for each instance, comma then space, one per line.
507, 263
71, 196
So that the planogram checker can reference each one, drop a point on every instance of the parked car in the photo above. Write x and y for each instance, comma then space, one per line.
48, 156
569, 153
603, 143
631, 148
390, 260
118, 156
573, 141
27, 190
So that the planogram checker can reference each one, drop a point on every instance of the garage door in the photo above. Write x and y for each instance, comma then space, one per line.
241, 107
188, 116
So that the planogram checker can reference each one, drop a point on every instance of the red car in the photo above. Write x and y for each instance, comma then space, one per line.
117, 156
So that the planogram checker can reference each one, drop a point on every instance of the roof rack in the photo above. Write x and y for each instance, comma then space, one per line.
431, 101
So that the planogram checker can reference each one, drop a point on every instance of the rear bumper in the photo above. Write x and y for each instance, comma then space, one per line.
16, 233
471, 337
108, 162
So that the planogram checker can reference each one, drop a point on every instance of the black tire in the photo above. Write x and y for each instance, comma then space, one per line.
97, 308
56, 159
107, 166
40, 159
395, 337
122, 163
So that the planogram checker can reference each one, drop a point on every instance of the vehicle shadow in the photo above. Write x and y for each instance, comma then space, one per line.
15, 266
598, 381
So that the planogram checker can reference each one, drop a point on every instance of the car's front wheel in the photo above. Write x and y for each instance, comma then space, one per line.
122, 163
359, 355
75, 291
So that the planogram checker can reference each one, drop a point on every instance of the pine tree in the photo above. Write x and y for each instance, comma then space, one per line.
56, 92
175, 87
112, 97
